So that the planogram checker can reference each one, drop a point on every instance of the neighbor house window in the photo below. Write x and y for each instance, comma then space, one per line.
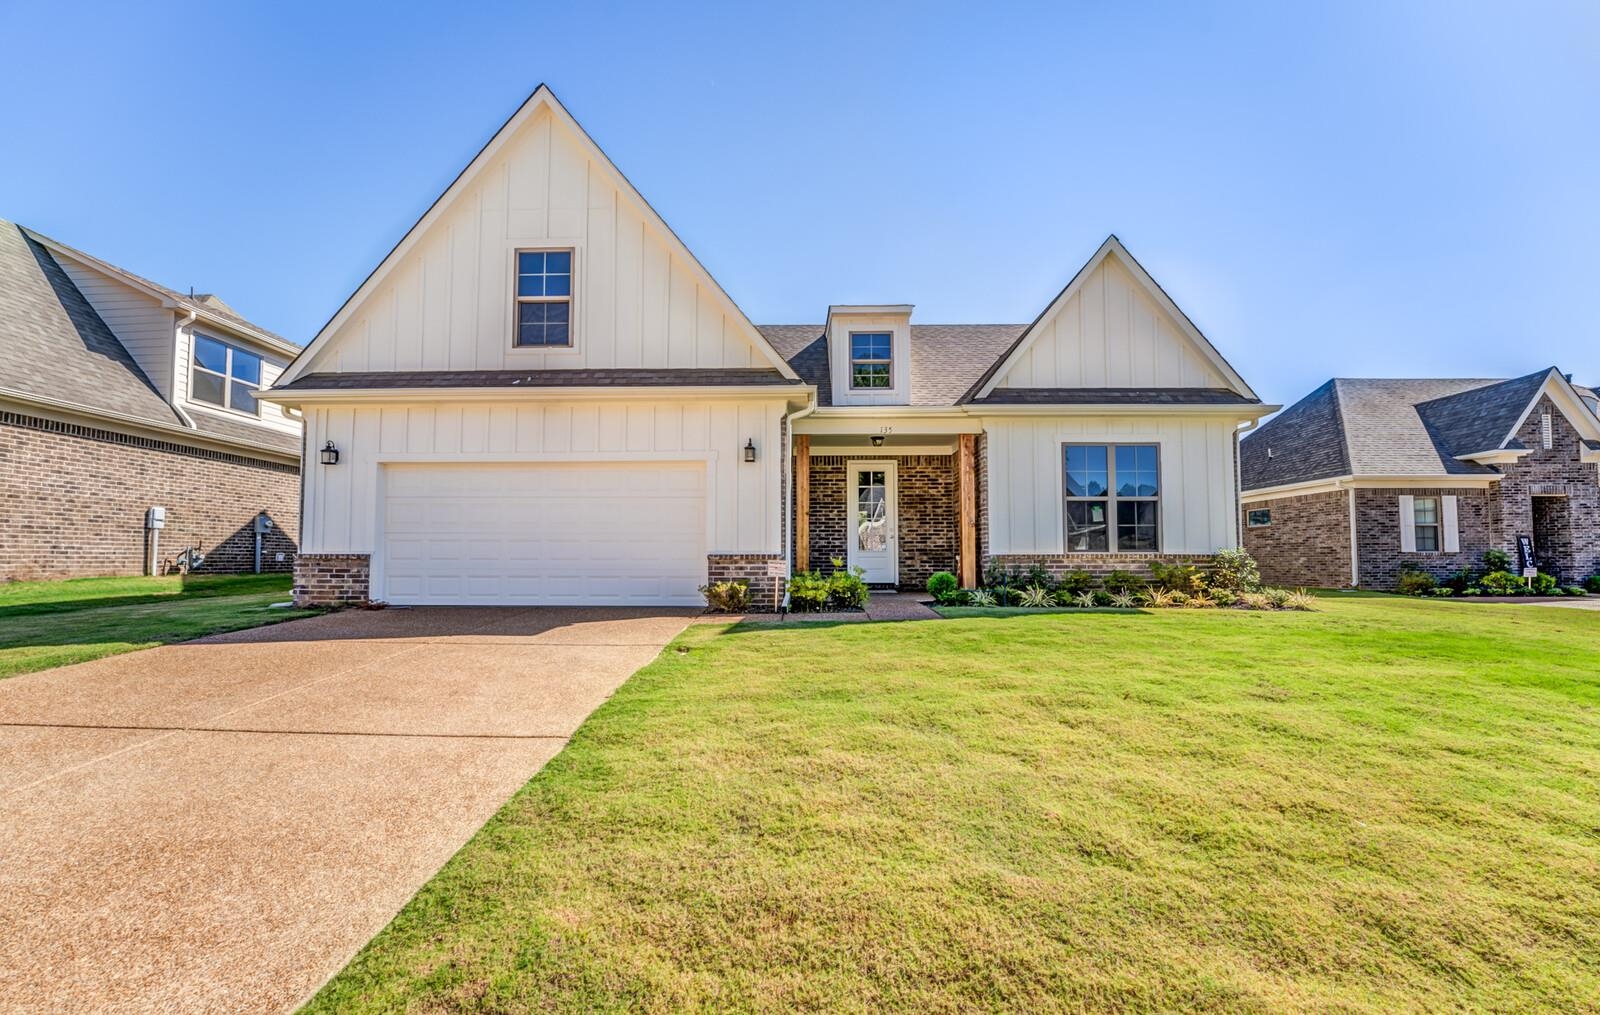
224, 375
1259, 518
870, 359
1113, 498
1425, 511
544, 298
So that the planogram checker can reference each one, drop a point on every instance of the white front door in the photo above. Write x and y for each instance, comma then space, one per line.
873, 536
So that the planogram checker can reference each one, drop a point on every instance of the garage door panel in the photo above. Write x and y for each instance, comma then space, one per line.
591, 533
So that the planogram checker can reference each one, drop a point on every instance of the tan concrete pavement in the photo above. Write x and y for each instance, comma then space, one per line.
218, 826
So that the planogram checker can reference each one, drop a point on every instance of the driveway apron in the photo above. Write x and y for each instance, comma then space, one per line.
218, 826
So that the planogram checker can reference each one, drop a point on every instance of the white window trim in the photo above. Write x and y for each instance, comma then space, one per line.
851, 361
555, 247
1249, 523
1111, 499
227, 375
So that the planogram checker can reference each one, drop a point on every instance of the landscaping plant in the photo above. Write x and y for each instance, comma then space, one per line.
1123, 581
1037, 597
1184, 578
943, 587
1414, 582
1502, 583
727, 597
1235, 571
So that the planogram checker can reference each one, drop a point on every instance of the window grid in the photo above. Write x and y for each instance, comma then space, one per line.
1425, 519
871, 360
223, 375
1113, 498
544, 299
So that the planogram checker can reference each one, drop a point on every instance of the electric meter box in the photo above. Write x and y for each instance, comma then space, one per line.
155, 518
263, 524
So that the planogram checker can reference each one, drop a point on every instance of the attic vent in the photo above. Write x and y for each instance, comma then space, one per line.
1547, 435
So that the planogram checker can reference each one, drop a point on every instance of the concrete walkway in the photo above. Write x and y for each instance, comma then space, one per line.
218, 826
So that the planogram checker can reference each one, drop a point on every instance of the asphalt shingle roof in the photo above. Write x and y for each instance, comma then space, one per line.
54, 345
946, 359
1386, 427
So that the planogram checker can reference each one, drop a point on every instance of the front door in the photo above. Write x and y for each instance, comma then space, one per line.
873, 537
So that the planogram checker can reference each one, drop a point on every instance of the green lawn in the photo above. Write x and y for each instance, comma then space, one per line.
47, 624
1386, 805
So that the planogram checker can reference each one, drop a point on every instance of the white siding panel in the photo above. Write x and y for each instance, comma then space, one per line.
1198, 501
141, 324
743, 499
1111, 334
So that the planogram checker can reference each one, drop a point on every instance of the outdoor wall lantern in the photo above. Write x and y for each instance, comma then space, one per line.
750, 449
877, 440
330, 454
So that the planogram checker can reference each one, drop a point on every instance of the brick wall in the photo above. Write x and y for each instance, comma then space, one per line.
332, 579
1307, 543
928, 523
1572, 520
763, 571
1378, 531
73, 500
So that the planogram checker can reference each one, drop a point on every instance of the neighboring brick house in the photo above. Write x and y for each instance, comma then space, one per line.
1365, 477
542, 396
118, 395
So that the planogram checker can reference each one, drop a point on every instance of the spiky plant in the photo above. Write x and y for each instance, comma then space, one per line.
1037, 597
1124, 600
980, 597
1201, 601
1083, 600
1160, 598
1300, 599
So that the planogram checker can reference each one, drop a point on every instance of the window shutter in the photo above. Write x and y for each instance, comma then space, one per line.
1408, 524
1447, 518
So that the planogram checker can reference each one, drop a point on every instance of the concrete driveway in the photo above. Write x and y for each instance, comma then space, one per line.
218, 826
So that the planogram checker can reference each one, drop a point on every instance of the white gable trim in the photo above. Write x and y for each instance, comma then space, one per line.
1567, 399
541, 99
1113, 247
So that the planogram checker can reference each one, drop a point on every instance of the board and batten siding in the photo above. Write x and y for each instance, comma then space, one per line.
448, 304
341, 505
140, 322
1111, 334
1198, 498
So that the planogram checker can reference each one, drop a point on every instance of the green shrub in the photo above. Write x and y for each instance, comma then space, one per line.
1576, 590
1073, 584
1225, 597
980, 597
1084, 600
1459, 581
1442, 591
1473, 590
1502, 583
847, 589
943, 586
1234, 570
808, 592
1124, 582
1592, 584
1415, 583
1546, 585
1037, 597
1279, 598
1036, 577
1185, 578
1496, 560
727, 597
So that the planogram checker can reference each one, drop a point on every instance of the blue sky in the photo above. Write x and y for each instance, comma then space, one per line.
1383, 189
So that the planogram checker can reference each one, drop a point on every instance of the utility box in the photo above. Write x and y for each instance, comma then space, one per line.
155, 518
263, 524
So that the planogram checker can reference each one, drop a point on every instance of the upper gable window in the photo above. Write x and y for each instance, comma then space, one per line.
224, 374
870, 359
544, 298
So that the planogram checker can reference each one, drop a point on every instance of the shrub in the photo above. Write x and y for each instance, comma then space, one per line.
1576, 590
1415, 583
1037, 596
1224, 597
943, 586
1300, 599
808, 592
1546, 585
727, 597
1200, 601
847, 590
1074, 584
1473, 590
1124, 600
1459, 581
980, 597
1185, 578
1592, 584
1278, 598
1496, 560
1255, 601
1179, 598
1235, 570
1037, 577
1159, 597
1123, 581
1502, 583
1442, 591
1084, 600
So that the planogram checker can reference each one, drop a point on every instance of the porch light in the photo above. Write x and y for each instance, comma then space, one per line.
750, 449
877, 440
330, 454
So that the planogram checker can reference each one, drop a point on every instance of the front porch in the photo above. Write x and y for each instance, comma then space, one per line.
901, 507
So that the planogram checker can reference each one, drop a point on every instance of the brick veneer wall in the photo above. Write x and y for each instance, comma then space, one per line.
1097, 564
1575, 555
73, 500
1308, 542
928, 523
332, 579
763, 571
1378, 534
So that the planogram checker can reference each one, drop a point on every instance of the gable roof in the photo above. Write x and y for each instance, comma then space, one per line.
207, 306
54, 346
541, 99
1112, 247
1420, 427
946, 359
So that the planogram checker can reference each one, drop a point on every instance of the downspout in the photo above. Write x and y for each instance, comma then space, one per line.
1355, 544
177, 365
788, 496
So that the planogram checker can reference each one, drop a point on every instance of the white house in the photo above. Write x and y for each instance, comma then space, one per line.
541, 396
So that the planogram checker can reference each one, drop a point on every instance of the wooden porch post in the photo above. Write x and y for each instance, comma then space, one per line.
967, 512
802, 502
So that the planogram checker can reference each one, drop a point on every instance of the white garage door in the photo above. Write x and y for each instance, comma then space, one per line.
576, 534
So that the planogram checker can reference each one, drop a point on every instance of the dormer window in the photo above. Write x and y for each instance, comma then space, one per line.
871, 359
544, 299
224, 375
